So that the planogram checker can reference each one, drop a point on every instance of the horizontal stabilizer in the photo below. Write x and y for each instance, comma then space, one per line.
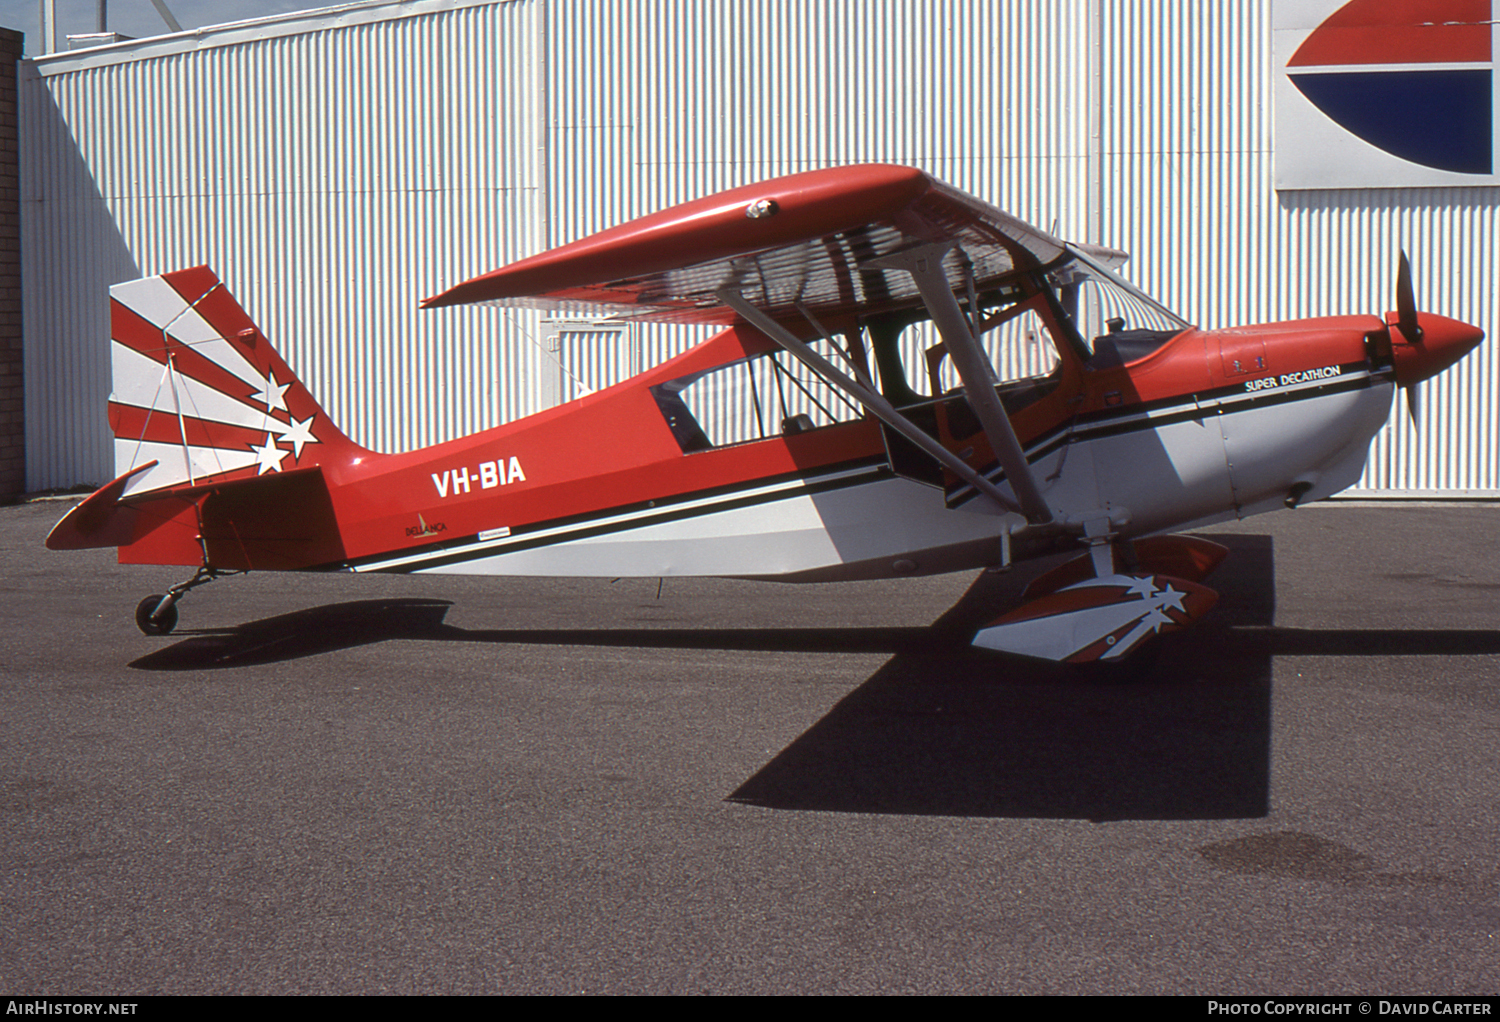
279, 522
100, 520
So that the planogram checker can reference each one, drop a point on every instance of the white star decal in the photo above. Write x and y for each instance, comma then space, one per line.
1171, 598
275, 396
269, 457
1156, 619
298, 434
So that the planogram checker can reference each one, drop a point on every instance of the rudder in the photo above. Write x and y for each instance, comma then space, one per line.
199, 390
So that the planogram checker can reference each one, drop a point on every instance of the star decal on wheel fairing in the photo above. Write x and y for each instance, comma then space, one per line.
1157, 600
1153, 619
1101, 618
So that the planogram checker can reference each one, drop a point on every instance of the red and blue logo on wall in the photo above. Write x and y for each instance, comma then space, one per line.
1412, 78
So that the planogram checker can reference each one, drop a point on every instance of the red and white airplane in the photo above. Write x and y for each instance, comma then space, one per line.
909, 381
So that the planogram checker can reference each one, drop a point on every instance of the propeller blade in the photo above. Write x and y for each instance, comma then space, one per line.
1406, 304
1411, 404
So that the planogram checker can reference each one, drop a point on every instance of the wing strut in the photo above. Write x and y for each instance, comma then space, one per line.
878, 406
925, 264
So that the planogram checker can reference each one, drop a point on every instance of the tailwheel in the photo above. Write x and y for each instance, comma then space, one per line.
154, 619
157, 615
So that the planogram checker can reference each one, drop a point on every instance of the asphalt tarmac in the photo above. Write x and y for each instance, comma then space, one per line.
335, 784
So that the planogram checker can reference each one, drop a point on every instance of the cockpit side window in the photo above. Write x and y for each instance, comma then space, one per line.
1019, 347
899, 343
1097, 318
914, 365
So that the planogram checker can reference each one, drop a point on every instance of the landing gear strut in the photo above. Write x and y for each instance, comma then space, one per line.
157, 614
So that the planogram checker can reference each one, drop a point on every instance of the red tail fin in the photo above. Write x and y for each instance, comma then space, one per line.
217, 443
199, 390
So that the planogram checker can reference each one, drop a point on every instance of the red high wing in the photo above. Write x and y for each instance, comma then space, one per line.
802, 238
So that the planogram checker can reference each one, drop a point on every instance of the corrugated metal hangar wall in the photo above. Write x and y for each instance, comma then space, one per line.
337, 166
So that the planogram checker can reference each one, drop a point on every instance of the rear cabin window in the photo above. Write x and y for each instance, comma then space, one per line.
753, 399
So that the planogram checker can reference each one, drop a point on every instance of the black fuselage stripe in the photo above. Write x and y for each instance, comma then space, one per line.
1210, 406
469, 548
1224, 401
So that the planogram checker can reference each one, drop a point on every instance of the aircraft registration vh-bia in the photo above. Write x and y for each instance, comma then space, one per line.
909, 381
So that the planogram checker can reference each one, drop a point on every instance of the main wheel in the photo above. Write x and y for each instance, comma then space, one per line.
162, 625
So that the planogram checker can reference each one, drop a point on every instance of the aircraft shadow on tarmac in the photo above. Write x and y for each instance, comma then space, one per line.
942, 729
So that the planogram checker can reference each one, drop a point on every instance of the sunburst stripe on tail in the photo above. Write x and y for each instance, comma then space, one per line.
199, 389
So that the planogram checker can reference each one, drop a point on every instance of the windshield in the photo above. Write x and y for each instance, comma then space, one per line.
1115, 321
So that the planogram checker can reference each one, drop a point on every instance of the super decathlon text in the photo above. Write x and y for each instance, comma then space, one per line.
1287, 379
68, 1008
490, 475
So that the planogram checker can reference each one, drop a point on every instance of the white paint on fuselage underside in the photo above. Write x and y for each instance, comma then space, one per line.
1168, 477
886, 518
1323, 441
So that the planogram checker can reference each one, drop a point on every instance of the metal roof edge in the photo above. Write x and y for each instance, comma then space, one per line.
273, 26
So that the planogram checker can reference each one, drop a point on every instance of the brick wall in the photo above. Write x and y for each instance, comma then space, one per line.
12, 417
